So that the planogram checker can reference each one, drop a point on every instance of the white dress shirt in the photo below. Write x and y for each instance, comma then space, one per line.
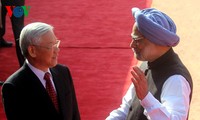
174, 105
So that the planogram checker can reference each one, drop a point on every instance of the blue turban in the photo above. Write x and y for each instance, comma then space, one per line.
156, 26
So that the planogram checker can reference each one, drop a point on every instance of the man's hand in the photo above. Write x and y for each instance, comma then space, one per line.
140, 82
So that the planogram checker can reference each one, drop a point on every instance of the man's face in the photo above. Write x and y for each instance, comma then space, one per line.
46, 52
144, 50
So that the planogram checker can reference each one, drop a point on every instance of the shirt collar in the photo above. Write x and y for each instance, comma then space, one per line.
39, 73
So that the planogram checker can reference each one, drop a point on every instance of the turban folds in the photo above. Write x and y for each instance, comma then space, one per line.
156, 26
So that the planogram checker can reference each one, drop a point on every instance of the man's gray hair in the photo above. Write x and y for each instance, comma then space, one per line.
31, 34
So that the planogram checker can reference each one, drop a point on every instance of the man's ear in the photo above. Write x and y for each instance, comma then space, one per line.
32, 51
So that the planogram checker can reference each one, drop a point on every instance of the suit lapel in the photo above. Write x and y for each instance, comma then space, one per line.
33, 79
63, 90
57, 79
36, 86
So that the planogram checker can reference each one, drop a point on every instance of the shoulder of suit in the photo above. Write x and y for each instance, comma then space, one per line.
60, 66
20, 74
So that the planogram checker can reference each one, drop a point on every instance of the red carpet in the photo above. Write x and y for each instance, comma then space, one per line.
95, 37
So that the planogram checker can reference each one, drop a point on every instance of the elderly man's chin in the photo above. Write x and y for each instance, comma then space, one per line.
54, 62
139, 57
52, 65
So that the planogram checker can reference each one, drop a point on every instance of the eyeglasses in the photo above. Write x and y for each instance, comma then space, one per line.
137, 40
55, 45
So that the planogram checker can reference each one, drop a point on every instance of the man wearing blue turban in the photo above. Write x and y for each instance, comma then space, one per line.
162, 86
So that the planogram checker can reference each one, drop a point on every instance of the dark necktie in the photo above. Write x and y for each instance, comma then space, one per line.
50, 90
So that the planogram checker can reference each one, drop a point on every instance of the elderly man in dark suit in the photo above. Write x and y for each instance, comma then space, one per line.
29, 94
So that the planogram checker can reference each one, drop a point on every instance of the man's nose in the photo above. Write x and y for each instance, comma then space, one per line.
57, 49
133, 44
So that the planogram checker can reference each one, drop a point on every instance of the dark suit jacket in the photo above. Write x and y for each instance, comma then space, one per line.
25, 98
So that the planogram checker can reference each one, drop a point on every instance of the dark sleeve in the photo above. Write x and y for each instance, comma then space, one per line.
11, 102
